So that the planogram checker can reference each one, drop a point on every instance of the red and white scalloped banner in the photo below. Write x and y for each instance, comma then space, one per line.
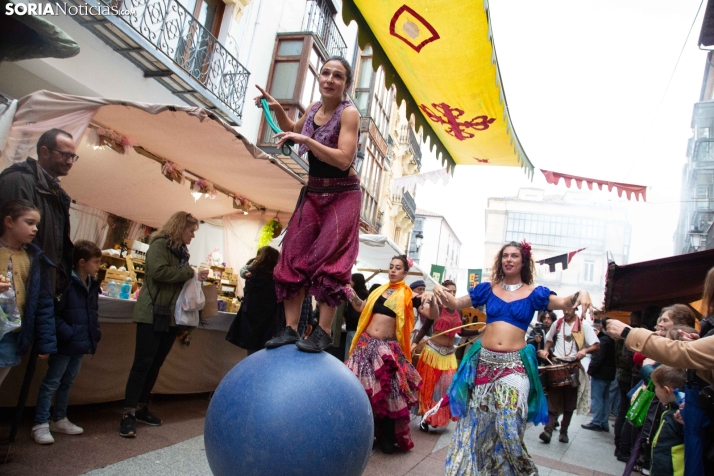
627, 188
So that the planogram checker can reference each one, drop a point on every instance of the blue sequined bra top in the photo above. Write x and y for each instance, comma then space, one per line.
518, 313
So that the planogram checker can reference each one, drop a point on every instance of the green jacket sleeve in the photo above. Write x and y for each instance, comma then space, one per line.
158, 264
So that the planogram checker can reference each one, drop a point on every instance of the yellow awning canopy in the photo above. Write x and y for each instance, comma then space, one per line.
440, 56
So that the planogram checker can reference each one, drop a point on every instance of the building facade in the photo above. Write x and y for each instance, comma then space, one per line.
433, 241
694, 229
558, 224
212, 53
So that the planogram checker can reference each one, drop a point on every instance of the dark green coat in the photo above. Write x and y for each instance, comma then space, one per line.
163, 280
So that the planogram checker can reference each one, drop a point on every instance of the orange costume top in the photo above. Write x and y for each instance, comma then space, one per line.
401, 303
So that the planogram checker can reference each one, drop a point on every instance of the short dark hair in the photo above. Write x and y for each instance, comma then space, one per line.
49, 139
666, 376
85, 249
543, 314
14, 209
448, 282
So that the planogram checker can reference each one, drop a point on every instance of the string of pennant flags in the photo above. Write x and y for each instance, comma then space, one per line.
563, 259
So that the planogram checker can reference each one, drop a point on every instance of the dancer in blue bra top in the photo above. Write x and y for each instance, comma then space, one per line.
496, 389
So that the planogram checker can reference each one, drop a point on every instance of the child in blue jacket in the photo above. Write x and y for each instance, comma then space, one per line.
668, 442
77, 324
26, 293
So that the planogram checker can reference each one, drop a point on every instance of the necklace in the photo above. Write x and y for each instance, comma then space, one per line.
389, 292
511, 287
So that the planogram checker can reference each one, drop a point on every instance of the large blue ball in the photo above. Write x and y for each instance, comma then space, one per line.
286, 412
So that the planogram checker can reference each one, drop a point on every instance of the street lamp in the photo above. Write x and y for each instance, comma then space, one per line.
418, 237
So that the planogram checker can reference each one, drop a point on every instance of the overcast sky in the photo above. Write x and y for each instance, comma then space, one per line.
585, 83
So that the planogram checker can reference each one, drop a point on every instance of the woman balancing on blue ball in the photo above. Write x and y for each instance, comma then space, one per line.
322, 239
378, 356
496, 389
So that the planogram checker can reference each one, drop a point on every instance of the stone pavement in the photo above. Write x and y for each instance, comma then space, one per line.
588, 453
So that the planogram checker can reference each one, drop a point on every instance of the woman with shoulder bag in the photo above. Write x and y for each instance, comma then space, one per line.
167, 270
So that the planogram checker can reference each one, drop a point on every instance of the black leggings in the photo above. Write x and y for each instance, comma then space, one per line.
149, 355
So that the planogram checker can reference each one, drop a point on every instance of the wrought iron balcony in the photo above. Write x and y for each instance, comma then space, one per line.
319, 20
168, 44
408, 137
407, 202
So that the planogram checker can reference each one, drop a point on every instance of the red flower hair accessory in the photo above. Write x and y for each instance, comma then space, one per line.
410, 262
526, 250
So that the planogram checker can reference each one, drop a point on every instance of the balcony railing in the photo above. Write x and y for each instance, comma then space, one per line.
409, 138
319, 20
407, 202
190, 61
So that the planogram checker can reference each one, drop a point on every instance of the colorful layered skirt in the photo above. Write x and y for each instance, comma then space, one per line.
390, 380
489, 437
437, 366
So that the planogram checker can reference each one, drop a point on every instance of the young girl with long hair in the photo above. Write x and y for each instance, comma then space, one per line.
26, 292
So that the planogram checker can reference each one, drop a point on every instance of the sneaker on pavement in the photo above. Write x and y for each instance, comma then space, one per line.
65, 426
318, 341
286, 336
145, 416
563, 438
127, 427
605, 429
591, 426
546, 435
41, 434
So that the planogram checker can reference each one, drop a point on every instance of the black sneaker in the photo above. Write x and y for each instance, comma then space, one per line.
286, 336
127, 428
145, 416
563, 438
318, 341
592, 426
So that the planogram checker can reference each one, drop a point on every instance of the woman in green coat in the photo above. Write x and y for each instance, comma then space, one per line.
167, 270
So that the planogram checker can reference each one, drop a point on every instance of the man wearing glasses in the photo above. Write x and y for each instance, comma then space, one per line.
38, 181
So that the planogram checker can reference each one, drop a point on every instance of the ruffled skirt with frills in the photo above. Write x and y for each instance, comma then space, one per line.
390, 380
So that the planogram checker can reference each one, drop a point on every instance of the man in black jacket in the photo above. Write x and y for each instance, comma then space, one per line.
37, 181
602, 372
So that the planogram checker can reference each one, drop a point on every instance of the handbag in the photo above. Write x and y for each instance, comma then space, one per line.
161, 314
637, 412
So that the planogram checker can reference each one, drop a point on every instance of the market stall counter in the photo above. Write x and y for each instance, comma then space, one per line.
195, 368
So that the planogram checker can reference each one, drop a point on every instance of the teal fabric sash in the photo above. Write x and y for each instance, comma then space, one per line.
460, 389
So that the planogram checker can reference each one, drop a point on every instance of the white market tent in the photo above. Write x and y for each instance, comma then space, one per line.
131, 185
375, 253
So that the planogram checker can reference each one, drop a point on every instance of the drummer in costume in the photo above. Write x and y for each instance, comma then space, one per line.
574, 339
496, 389
379, 356
322, 239
437, 362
